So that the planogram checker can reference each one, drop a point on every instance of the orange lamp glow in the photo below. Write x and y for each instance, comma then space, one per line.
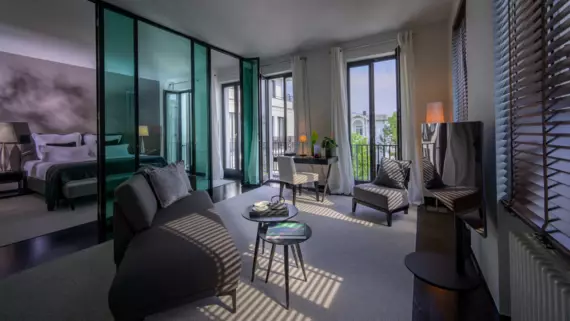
303, 138
434, 113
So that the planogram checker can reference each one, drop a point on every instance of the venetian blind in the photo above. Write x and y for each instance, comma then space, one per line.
537, 140
459, 68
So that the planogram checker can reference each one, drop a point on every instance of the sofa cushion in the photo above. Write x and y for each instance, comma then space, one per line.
393, 173
137, 202
167, 184
432, 179
183, 175
389, 199
175, 263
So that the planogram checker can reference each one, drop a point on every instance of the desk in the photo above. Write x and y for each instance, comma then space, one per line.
328, 161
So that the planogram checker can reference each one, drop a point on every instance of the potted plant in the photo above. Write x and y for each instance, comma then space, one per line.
330, 146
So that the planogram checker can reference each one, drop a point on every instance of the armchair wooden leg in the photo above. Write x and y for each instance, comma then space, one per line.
389, 217
234, 300
354, 205
406, 211
281, 187
294, 194
300, 188
317, 190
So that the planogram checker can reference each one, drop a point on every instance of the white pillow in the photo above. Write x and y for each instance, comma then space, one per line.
117, 151
109, 138
91, 141
44, 139
63, 154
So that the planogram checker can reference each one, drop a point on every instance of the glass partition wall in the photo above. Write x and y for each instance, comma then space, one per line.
154, 103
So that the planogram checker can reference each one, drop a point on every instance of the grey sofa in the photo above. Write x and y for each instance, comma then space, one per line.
167, 257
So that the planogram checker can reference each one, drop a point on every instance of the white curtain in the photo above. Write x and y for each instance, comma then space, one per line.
216, 110
410, 139
301, 98
342, 177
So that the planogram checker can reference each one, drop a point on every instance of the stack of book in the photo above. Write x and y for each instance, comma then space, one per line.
269, 210
286, 231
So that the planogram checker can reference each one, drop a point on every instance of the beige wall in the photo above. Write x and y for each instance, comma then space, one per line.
432, 71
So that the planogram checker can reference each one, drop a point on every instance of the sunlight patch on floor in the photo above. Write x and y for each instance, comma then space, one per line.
320, 288
252, 304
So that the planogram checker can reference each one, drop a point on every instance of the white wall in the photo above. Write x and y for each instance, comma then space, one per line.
432, 69
41, 29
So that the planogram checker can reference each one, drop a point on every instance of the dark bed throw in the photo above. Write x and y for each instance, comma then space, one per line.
58, 175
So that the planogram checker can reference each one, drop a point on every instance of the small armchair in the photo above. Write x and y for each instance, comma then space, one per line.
385, 199
288, 175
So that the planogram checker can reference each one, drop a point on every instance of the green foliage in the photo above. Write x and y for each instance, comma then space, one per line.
314, 137
390, 131
328, 143
360, 157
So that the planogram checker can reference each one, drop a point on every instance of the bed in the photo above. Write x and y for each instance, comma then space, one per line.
49, 178
64, 166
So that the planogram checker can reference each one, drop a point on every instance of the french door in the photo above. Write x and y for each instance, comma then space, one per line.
177, 125
231, 129
373, 113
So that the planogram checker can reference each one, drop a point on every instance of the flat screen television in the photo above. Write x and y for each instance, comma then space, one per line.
453, 169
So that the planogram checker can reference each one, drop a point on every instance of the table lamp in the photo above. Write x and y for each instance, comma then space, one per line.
7, 136
434, 113
143, 132
303, 140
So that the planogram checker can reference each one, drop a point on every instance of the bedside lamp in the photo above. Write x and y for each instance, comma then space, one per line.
303, 140
143, 132
12, 133
434, 113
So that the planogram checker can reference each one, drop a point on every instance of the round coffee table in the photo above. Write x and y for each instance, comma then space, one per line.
294, 244
262, 222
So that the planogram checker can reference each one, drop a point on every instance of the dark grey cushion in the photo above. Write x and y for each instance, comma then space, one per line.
393, 173
432, 179
137, 202
389, 199
183, 175
167, 184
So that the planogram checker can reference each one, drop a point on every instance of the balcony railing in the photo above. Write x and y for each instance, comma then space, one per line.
361, 159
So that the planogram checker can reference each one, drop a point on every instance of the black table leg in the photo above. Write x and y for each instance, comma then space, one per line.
294, 255
294, 187
317, 190
255, 252
262, 246
270, 261
301, 260
286, 250
327, 183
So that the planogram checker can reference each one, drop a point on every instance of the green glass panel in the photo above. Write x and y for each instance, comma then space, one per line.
119, 91
164, 94
202, 117
250, 110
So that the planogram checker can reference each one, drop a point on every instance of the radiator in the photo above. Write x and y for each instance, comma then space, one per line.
540, 281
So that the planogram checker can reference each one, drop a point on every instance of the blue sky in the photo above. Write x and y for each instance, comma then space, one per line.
385, 92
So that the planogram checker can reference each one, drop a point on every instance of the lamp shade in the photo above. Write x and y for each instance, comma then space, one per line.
143, 131
434, 113
303, 139
8, 134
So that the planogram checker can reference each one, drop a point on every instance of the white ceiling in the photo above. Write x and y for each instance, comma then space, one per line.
268, 28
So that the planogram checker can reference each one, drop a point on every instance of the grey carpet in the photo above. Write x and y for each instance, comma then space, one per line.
25, 217
354, 264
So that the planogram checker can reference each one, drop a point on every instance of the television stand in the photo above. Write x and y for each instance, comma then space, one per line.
444, 271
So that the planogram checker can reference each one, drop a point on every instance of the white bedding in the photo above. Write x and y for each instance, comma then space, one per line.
38, 168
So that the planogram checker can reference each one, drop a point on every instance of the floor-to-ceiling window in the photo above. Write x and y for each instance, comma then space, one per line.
281, 117
231, 126
374, 113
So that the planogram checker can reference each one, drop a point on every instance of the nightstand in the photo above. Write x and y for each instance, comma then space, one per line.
13, 177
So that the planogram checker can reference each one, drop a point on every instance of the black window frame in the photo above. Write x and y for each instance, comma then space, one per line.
370, 113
